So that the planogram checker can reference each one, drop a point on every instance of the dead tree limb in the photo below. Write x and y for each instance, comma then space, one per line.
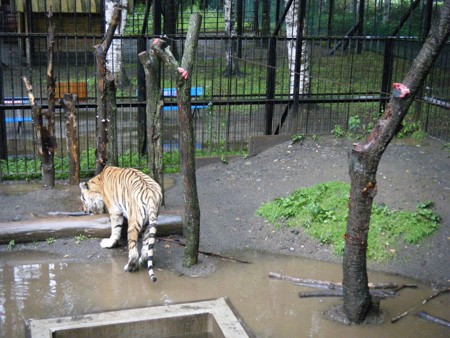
400, 316
433, 319
380, 294
45, 140
69, 105
102, 93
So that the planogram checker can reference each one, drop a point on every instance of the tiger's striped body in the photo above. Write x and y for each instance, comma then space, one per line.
128, 193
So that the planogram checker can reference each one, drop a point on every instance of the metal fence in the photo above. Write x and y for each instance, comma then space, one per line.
349, 83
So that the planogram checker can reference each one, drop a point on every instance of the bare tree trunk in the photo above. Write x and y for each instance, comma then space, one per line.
151, 66
363, 164
102, 94
191, 220
292, 25
114, 54
69, 105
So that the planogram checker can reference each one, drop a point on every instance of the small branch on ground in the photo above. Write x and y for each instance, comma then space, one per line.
206, 253
400, 316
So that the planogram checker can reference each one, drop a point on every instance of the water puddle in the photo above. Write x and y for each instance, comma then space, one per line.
44, 286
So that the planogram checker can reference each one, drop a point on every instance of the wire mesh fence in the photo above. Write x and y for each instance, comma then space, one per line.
348, 81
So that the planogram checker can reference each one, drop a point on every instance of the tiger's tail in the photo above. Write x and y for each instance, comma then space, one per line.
151, 246
148, 245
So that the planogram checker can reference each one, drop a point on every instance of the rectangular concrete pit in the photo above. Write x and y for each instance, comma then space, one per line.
198, 319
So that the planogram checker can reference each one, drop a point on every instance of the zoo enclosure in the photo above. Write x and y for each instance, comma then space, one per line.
349, 83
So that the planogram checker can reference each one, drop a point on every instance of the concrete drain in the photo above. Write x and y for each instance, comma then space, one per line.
212, 318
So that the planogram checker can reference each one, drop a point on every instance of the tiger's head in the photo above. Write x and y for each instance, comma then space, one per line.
92, 200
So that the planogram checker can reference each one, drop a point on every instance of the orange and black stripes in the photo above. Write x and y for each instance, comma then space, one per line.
131, 194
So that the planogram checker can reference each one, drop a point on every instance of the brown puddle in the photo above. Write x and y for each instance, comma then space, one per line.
41, 286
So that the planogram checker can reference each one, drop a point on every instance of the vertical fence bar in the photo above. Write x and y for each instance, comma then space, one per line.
388, 64
270, 80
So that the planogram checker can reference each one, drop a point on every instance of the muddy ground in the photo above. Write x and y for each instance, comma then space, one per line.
229, 194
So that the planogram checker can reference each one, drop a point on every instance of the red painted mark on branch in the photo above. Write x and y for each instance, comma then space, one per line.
400, 90
184, 74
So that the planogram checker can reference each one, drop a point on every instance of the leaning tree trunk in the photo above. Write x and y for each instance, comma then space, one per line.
363, 164
45, 139
191, 219
102, 93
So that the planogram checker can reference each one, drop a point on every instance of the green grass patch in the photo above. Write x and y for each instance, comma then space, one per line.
322, 211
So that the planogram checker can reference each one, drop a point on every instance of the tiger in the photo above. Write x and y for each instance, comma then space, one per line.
129, 193
92, 201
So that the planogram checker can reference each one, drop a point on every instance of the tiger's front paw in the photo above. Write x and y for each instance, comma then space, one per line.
107, 243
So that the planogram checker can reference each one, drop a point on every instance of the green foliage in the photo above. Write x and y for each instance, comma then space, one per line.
338, 131
80, 238
297, 138
50, 240
354, 123
322, 210
408, 128
11, 244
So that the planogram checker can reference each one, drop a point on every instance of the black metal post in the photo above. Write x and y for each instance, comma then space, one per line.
360, 32
157, 17
270, 80
388, 64
239, 27
3, 138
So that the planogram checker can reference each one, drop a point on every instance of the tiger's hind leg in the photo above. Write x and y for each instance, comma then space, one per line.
116, 229
148, 245
133, 254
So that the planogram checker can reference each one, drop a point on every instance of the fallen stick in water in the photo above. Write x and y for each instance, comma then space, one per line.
331, 285
400, 316
433, 319
381, 294
170, 240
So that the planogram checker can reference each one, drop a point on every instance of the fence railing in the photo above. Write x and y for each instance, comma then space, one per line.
348, 82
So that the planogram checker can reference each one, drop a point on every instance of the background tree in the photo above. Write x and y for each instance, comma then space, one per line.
363, 164
232, 67
114, 54
292, 33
